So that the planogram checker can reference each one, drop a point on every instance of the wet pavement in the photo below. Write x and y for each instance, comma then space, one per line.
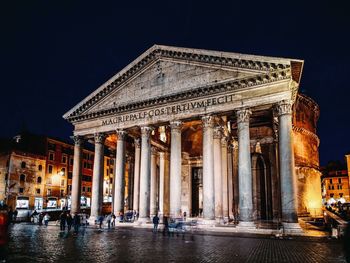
33, 243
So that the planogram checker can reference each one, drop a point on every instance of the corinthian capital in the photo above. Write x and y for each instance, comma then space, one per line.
121, 134
217, 132
78, 140
146, 130
243, 115
137, 142
100, 138
284, 107
208, 121
176, 126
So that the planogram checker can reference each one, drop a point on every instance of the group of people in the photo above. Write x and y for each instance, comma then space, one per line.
40, 218
67, 219
12, 215
110, 220
166, 221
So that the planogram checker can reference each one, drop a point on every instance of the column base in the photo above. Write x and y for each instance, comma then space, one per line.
143, 220
291, 228
246, 225
206, 222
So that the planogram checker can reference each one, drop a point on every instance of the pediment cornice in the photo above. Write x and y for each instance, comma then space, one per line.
242, 83
267, 65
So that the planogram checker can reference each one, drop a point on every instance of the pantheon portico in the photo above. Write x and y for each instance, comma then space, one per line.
207, 133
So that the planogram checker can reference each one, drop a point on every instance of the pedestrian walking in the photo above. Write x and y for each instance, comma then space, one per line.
100, 221
10, 214
63, 217
76, 223
113, 220
155, 223
41, 218
15, 213
166, 225
109, 219
69, 220
46, 219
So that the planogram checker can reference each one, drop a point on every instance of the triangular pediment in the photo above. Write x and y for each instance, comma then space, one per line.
164, 78
162, 71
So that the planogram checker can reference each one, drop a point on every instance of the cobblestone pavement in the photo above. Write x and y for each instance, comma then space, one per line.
33, 243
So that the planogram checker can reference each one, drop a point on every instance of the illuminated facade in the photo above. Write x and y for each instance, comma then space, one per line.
36, 173
203, 132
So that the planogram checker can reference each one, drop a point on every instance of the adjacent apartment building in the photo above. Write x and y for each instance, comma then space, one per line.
36, 173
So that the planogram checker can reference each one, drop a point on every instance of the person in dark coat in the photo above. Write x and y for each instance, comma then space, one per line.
166, 225
100, 220
76, 222
63, 217
155, 223
69, 221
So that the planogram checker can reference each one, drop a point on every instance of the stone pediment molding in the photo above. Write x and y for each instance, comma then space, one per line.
265, 69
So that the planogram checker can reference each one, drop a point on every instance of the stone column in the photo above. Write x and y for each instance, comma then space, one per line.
145, 174
119, 178
166, 200
224, 172
97, 178
208, 169
137, 175
217, 173
235, 178
76, 179
230, 181
161, 182
286, 159
130, 182
175, 169
244, 167
153, 197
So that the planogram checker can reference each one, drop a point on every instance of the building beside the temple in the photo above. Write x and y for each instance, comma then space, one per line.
36, 173
203, 132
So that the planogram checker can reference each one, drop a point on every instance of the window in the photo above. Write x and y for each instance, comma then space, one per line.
71, 161
62, 192
330, 181
69, 188
340, 187
63, 171
21, 190
48, 181
64, 158
329, 187
111, 170
51, 156
38, 191
48, 191
107, 162
50, 169
111, 161
22, 178
331, 195
40, 167
340, 195
23, 165
89, 189
111, 180
339, 180
62, 182
70, 175
332, 187
107, 171
38, 180
83, 188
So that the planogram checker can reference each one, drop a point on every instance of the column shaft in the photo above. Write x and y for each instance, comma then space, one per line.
208, 169
286, 158
153, 197
217, 173
161, 182
175, 169
97, 178
224, 172
230, 182
244, 167
76, 178
145, 174
137, 175
119, 179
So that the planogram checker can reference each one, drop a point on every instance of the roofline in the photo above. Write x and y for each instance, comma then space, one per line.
202, 52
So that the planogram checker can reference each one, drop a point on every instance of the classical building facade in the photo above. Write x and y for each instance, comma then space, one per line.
204, 132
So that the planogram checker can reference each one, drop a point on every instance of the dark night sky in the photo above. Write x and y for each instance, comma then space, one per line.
55, 53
